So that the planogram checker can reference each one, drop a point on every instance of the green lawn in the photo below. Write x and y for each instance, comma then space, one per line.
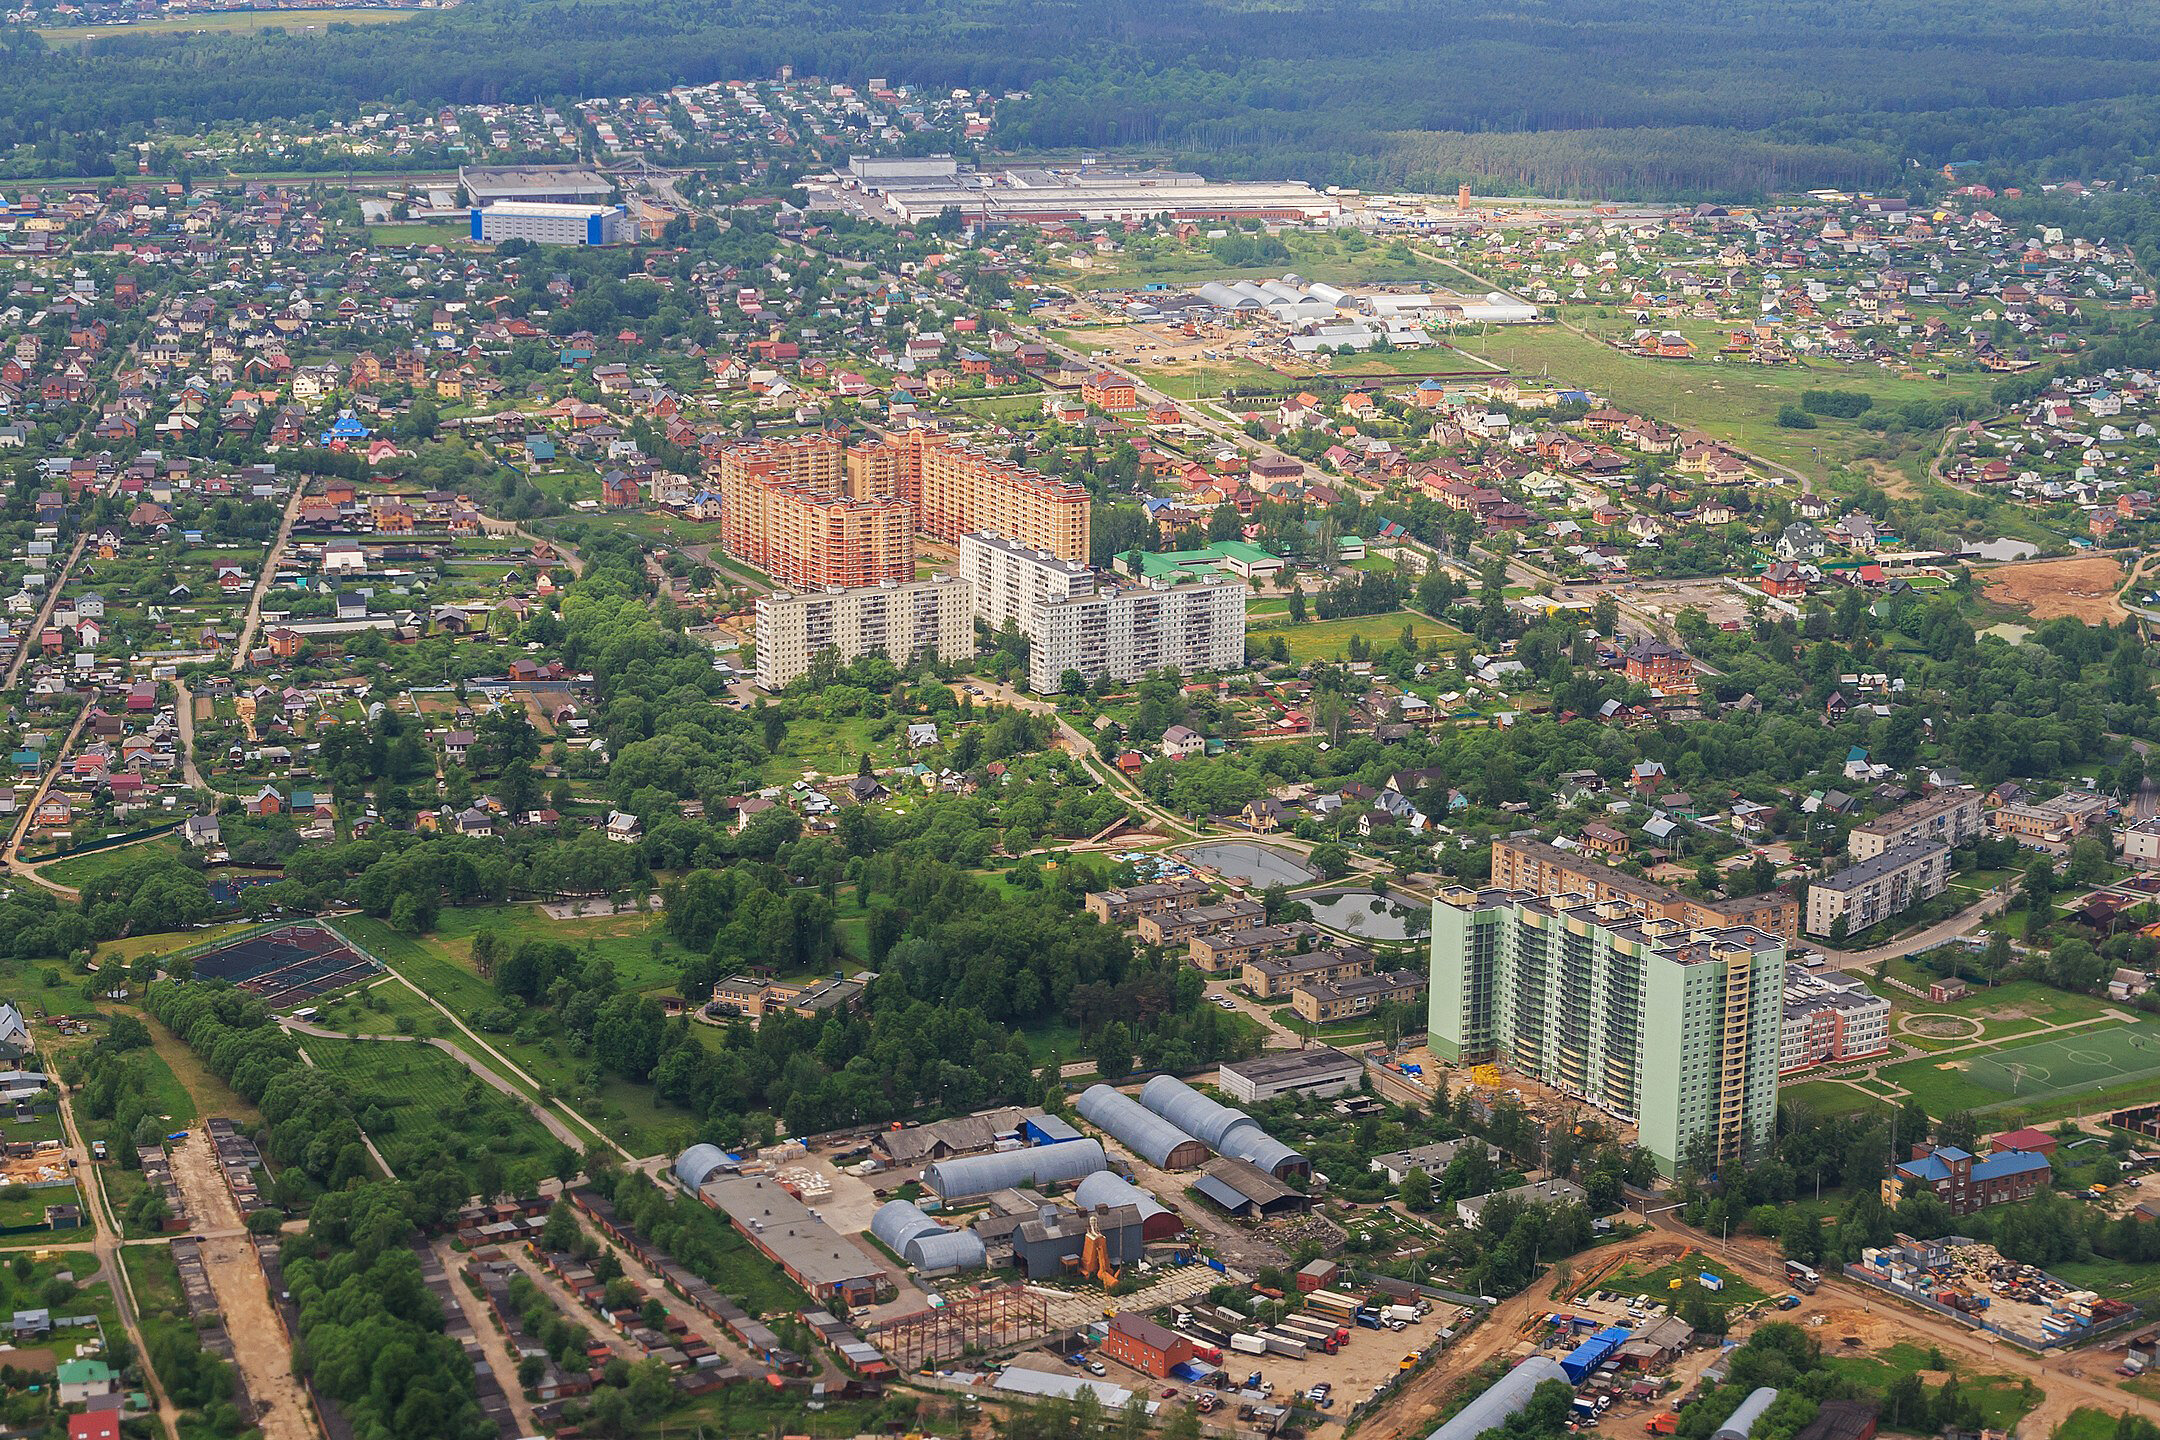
389, 1008
77, 871
1658, 1283
626, 1112
829, 747
1736, 402
27, 1207
416, 1102
644, 955
2050, 1067
2138, 1284
2002, 1399
1330, 639
193, 1090
2086, 1425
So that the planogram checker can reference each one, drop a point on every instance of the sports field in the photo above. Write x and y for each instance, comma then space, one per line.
1330, 639
2103, 1057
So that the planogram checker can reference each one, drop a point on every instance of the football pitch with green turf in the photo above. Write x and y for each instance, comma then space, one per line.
2102, 1056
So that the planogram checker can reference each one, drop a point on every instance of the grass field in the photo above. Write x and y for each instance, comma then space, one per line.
389, 1007
624, 1111
237, 21
2086, 1425
644, 955
77, 871
195, 1091
1330, 639
167, 942
1658, 1283
1826, 1098
2058, 1066
423, 233
2138, 1284
416, 1102
2002, 1399
1733, 402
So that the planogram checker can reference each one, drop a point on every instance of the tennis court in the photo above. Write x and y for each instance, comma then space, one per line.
288, 966
2066, 1064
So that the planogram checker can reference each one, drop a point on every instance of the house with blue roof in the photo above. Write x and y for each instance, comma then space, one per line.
1964, 1183
344, 431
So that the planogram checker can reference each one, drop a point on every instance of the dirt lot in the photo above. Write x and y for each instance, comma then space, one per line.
260, 1344
2082, 587
1718, 600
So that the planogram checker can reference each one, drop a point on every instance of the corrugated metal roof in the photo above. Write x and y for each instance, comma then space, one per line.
1743, 1419
699, 1163
899, 1221
1501, 1399
1250, 1142
1105, 1188
1114, 1398
1191, 1111
947, 1250
1137, 1128
971, 1175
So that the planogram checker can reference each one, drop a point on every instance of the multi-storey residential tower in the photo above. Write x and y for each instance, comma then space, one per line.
1125, 633
785, 508
957, 491
1673, 1028
899, 622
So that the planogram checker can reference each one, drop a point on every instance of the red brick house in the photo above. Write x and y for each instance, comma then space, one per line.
1148, 1347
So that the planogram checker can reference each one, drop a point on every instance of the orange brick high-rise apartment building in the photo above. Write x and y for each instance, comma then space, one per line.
815, 515
957, 491
786, 509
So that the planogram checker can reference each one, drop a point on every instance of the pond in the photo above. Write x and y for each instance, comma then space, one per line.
1243, 863
1370, 916
2005, 549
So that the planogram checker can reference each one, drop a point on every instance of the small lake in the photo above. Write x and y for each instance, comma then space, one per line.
1364, 914
1244, 863
2005, 549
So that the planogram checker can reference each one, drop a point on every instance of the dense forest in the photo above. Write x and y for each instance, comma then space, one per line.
1713, 97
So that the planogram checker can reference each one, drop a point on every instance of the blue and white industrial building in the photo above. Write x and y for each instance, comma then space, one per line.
552, 223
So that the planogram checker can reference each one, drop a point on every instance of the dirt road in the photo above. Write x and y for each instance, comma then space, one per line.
261, 1347
1837, 1310
489, 1335
105, 1246
262, 581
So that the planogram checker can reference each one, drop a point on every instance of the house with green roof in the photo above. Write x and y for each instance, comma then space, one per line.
1238, 557
81, 1381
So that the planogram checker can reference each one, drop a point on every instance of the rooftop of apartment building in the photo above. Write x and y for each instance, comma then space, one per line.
1897, 857
1646, 893
1028, 553
1625, 920
1918, 811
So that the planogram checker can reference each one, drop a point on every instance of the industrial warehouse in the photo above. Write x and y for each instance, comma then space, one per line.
912, 190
